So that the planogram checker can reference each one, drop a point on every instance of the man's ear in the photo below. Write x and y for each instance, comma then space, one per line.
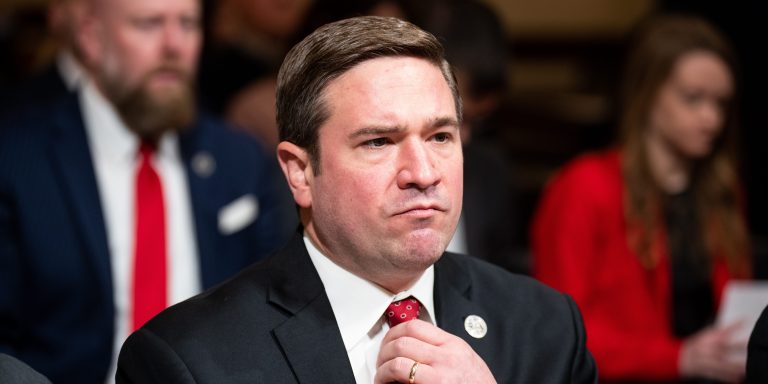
294, 162
88, 36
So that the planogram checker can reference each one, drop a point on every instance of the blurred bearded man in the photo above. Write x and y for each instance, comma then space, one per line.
122, 199
145, 64
152, 114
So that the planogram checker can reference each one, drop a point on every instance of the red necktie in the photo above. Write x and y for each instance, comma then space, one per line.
149, 274
402, 310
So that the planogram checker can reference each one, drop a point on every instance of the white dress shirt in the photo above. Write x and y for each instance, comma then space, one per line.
359, 306
114, 150
458, 242
72, 73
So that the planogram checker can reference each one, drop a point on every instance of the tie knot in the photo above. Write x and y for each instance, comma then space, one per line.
402, 310
146, 149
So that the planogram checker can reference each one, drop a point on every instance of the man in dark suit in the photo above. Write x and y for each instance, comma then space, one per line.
369, 115
757, 351
71, 232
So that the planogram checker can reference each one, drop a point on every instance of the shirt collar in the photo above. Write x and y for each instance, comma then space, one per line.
72, 73
359, 304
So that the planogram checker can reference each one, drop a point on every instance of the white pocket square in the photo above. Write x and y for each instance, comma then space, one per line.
238, 214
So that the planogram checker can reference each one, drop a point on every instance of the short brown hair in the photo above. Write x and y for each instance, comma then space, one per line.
334, 49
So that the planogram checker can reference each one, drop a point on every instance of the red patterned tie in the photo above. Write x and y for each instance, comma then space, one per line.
402, 310
149, 274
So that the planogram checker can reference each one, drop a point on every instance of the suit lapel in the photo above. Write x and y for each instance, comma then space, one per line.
204, 213
310, 338
454, 303
71, 158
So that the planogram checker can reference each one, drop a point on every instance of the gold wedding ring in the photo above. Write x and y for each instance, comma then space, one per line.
412, 375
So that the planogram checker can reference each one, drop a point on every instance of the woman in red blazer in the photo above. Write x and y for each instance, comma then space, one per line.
645, 236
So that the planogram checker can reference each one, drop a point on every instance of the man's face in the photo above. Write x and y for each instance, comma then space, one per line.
388, 194
145, 60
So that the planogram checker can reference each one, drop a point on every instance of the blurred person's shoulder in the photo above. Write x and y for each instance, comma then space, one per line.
228, 142
28, 123
593, 175
594, 167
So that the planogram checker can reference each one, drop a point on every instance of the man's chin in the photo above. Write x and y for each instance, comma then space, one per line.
162, 92
427, 243
153, 112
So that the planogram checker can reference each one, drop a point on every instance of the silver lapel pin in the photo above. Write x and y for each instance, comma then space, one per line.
475, 326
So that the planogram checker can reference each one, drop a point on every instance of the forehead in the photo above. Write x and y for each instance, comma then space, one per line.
703, 69
391, 88
129, 8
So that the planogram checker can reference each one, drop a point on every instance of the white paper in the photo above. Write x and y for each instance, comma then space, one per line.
743, 302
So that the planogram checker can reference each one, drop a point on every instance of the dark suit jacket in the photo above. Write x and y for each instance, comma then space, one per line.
35, 93
16, 372
56, 299
273, 324
490, 209
757, 353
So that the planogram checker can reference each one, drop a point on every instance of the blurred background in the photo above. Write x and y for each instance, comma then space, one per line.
563, 69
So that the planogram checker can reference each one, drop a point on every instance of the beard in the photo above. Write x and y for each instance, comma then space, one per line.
151, 113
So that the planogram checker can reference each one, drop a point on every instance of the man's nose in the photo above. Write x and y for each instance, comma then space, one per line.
417, 167
176, 38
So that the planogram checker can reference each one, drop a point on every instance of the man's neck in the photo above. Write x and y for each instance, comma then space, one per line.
391, 280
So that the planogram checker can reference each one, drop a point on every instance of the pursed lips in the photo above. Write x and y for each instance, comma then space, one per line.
421, 209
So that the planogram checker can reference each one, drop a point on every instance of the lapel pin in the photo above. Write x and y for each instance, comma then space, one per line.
475, 326
203, 164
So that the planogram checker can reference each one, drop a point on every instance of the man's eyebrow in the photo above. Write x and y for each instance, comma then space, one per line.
444, 122
375, 130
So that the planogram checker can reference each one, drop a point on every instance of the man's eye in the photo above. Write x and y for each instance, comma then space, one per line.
442, 137
147, 24
377, 142
190, 23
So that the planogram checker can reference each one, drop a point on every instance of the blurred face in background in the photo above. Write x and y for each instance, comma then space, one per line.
143, 54
689, 112
475, 106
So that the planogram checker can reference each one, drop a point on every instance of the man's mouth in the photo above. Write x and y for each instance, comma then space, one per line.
421, 210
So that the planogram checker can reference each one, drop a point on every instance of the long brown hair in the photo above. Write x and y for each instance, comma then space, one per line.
714, 183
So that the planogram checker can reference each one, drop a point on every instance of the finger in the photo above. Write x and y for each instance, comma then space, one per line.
733, 327
407, 347
726, 337
727, 371
418, 329
728, 375
737, 344
399, 370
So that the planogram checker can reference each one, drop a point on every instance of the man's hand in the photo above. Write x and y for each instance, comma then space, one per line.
442, 357
706, 354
